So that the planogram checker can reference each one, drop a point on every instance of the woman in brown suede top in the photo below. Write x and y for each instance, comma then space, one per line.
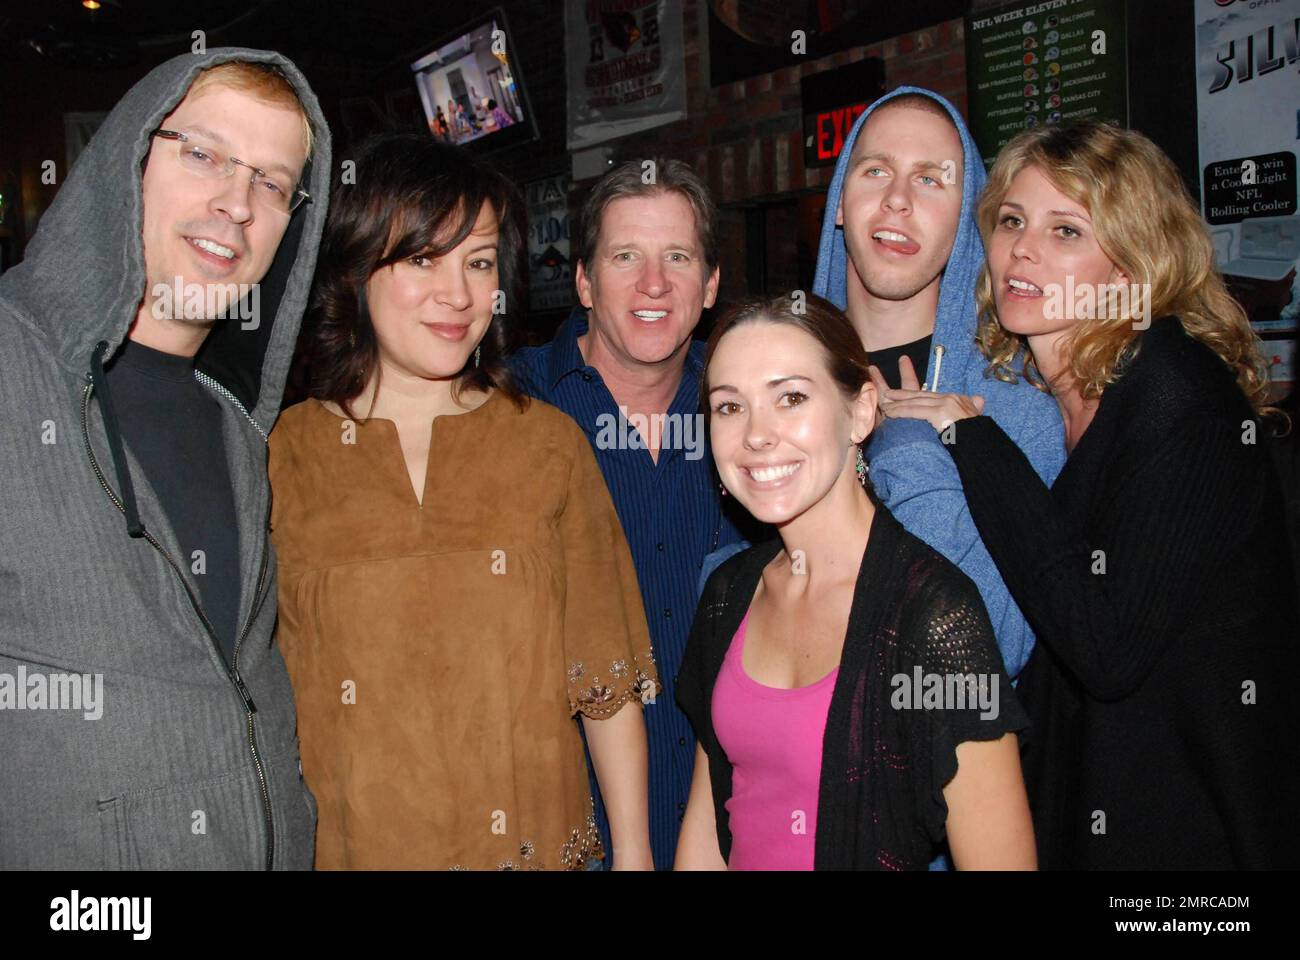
454, 583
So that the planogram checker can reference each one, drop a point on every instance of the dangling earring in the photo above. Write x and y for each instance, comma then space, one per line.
352, 339
861, 467
722, 489
477, 352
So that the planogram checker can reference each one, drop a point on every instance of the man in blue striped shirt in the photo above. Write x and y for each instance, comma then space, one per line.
624, 366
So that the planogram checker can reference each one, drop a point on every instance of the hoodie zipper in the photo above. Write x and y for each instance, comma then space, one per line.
250, 708
217, 388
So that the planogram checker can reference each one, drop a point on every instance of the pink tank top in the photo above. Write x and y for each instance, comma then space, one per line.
773, 738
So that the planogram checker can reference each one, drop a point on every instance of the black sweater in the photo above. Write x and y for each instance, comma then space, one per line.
1156, 574
880, 803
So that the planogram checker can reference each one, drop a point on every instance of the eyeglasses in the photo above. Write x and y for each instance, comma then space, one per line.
271, 190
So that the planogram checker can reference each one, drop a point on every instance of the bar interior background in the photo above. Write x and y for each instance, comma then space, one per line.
760, 122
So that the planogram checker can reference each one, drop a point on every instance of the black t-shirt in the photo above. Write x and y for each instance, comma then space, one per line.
173, 425
918, 351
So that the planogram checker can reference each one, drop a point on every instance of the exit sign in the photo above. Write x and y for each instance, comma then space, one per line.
830, 128
832, 102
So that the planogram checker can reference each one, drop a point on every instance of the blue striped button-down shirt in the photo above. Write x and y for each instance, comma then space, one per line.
672, 517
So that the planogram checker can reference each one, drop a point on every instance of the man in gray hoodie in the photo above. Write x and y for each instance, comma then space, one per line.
146, 718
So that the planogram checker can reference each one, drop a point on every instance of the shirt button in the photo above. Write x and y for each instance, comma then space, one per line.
659, 547
668, 613
674, 680
586, 376
681, 741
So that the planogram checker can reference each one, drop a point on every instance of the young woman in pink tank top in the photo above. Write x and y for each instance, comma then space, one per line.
806, 651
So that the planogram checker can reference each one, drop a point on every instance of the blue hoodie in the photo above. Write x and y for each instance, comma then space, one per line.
910, 469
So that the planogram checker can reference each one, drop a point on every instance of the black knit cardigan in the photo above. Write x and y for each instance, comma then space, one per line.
1156, 573
880, 801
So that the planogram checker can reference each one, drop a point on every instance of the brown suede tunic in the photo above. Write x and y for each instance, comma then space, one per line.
439, 653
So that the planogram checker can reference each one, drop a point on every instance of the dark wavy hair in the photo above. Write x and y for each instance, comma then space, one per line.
412, 195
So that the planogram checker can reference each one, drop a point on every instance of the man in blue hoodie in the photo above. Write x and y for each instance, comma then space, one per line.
900, 254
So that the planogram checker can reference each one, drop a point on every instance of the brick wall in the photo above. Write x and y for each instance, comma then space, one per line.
746, 139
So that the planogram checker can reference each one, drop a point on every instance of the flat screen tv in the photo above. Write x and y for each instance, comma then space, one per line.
470, 86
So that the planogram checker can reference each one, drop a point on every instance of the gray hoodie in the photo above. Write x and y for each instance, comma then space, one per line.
125, 740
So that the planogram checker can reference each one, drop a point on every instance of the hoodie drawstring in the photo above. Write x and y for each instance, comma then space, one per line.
938, 364
133, 525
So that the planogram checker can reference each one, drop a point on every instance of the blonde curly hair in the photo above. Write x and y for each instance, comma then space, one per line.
1148, 226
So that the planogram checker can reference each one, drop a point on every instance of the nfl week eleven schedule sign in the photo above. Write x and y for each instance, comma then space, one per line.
1034, 63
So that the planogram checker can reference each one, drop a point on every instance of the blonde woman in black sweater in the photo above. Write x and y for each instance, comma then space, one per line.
1156, 571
